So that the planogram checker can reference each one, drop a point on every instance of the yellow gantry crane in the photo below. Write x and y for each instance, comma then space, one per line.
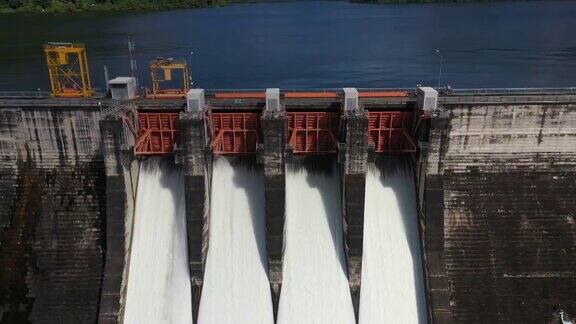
68, 70
161, 70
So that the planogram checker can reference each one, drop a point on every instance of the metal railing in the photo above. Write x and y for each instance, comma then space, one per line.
508, 91
443, 90
24, 95
40, 94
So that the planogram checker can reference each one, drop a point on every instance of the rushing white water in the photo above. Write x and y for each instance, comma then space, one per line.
236, 288
315, 288
392, 280
159, 279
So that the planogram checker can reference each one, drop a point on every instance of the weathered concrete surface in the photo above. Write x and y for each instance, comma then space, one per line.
500, 235
13, 243
54, 137
67, 247
121, 183
197, 166
51, 242
274, 140
353, 172
9, 155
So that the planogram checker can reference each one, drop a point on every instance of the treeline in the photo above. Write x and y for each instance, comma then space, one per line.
60, 6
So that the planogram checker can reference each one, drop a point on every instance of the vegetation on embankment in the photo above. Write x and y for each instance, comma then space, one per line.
61, 6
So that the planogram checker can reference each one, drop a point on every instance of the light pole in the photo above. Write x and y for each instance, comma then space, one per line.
190, 68
440, 70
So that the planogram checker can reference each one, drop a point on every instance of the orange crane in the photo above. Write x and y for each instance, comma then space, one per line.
68, 70
162, 71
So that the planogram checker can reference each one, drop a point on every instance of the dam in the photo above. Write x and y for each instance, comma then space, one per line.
289, 206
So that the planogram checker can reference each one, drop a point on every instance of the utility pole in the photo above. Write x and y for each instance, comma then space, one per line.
440, 69
133, 66
190, 69
106, 78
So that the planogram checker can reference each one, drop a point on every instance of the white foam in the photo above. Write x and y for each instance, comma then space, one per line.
236, 288
392, 280
159, 279
315, 288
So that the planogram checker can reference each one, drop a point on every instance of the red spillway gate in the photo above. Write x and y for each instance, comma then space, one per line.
157, 133
390, 131
313, 132
235, 133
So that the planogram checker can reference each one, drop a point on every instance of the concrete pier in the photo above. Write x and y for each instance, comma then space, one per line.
436, 282
195, 158
121, 181
274, 141
353, 163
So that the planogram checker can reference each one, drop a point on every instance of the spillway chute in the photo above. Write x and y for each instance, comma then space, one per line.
315, 288
236, 288
159, 281
392, 277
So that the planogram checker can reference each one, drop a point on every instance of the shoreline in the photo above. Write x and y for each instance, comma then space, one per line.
65, 7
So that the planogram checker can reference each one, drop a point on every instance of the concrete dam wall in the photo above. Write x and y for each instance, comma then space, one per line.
494, 186
500, 195
52, 213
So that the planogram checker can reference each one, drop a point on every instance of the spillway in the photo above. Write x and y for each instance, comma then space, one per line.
392, 279
315, 287
159, 280
236, 288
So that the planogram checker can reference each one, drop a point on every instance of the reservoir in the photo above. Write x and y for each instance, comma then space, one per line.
307, 44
